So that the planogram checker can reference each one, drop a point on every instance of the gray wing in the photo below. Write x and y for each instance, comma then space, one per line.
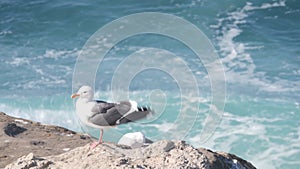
102, 106
109, 114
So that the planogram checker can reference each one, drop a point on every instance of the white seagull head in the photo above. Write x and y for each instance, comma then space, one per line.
84, 92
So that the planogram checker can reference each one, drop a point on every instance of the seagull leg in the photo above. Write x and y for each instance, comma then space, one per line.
101, 135
100, 141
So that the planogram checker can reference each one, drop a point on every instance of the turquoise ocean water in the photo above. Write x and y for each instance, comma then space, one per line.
257, 41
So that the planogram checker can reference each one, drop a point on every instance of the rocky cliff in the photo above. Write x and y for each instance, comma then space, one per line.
44, 146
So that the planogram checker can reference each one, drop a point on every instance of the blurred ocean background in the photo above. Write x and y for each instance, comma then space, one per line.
257, 41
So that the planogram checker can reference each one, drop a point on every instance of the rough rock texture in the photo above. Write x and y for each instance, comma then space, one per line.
161, 154
18, 137
45, 146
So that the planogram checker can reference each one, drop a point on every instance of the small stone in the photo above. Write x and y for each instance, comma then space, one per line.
83, 137
11, 129
134, 140
3, 156
66, 149
122, 161
36, 143
170, 145
21, 121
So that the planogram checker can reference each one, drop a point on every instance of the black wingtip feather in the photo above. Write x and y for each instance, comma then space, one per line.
144, 108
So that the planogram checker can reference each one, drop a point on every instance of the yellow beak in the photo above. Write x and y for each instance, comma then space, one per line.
75, 95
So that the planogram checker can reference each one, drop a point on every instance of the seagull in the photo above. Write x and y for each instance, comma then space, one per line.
101, 114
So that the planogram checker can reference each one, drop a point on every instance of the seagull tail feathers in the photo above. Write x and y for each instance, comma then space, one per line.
142, 112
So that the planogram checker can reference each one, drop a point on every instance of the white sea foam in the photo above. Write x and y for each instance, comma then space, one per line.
59, 54
228, 135
250, 7
47, 73
64, 118
239, 66
17, 61
3, 33
42, 83
267, 143
235, 55
164, 127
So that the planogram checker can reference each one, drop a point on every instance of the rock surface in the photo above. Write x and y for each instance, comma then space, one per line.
161, 154
19, 137
43, 151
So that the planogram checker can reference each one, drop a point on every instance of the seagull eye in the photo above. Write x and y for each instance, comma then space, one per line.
85, 92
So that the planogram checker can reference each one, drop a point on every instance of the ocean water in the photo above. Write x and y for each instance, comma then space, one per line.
257, 43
